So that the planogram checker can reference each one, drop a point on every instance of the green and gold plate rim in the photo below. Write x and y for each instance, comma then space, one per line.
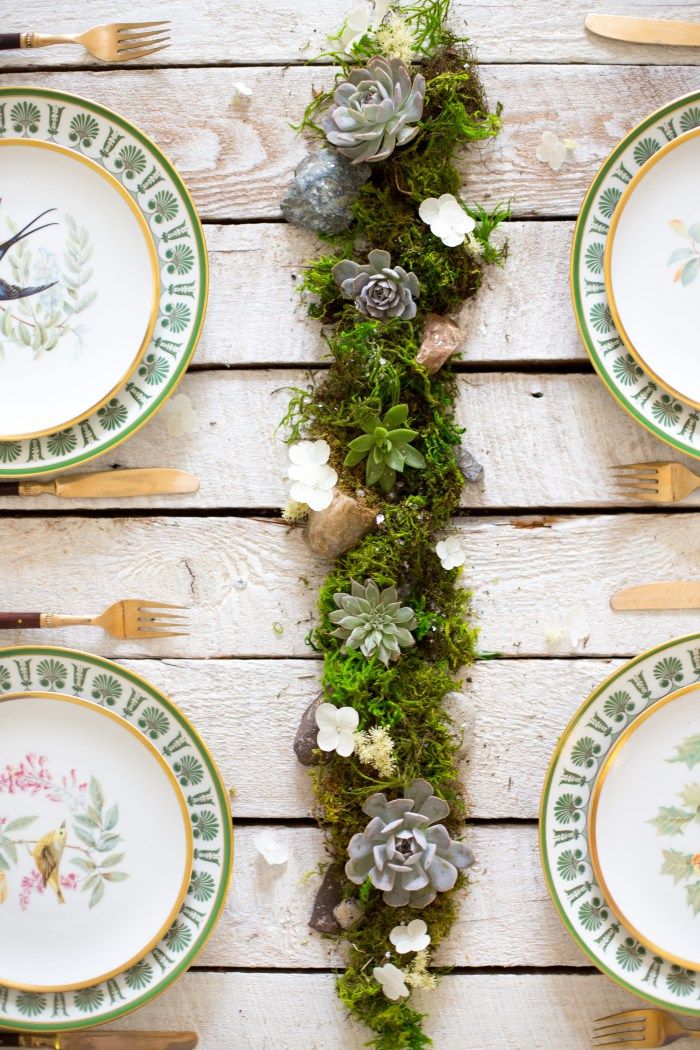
673, 409
117, 429
546, 822
216, 904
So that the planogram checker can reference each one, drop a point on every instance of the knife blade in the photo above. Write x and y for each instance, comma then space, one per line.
645, 30
681, 594
107, 484
105, 1040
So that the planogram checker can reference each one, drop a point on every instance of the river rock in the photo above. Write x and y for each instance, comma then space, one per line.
469, 465
324, 187
305, 747
328, 898
340, 526
349, 912
441, 337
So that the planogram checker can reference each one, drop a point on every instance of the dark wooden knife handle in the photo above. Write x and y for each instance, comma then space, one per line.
9, 488
12, 621
10, 41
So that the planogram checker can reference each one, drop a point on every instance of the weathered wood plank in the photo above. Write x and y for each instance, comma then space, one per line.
512, 711
521, 315
528, 431
282, 31
238, 160
265, 923
252, 585
264, 1011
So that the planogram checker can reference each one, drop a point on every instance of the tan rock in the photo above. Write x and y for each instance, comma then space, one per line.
339, 527
441, 337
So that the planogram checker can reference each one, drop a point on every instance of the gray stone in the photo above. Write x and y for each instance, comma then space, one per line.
325, 185
328, 898
340, 526
348, 913
305, 747
469, 465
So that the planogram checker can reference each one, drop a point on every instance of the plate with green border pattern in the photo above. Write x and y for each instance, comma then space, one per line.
156, 189
564, 846
668, 417
27, 668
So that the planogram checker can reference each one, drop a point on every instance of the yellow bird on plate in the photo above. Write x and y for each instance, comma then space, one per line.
47, 856
3, 886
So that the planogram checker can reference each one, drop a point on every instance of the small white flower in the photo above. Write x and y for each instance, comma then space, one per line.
450, 553
447, 219
336, 728
269, 846
411, 938
392, 981
381, 9
241, 92
551, 150
577, 626
312, 479
180, 417
356, 26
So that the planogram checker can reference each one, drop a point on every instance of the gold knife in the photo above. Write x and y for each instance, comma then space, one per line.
683, 594
105, 1040
645, 30
106, 484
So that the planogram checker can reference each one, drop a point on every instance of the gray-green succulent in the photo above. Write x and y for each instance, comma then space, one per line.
373, 621
387, 445
375, 110
404, 851
379, 290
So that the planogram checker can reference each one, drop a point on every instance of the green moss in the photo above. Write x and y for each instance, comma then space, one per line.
373, 366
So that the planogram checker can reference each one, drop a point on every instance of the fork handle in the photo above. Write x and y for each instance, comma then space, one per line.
11, 41
12, 621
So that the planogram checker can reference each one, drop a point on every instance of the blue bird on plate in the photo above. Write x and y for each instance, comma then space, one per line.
12, 291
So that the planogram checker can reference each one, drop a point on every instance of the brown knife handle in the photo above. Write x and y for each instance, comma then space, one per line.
13, 621
10, 41
9, 488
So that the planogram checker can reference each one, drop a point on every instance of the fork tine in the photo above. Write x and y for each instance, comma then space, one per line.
619, 1042
628, 1025
144, 605
134, 42
162, 634
123, 26
635, 466
129, 56
159, 616
631, 1015
639, 475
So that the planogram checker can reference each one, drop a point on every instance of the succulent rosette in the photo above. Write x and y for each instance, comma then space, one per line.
379, 290
404, 851
373, 621
375, 110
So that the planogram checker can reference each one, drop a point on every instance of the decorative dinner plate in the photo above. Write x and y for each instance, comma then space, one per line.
78, 287
567, 857
673, 419
652, 261
156, 190
644, 827
105, 685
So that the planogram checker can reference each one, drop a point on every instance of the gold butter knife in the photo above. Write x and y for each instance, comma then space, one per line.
107, 484
645, 30
105, 1040
681, 594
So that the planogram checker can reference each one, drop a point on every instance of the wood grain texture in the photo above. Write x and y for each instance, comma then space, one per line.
214, 31
238, 160
512, 713
522, 314
527, 430
252, 585
287, 1011
265, 922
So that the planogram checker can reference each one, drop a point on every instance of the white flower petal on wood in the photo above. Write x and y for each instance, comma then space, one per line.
551, 150
357, 24
450, 553
392, 980
447, 219
413, 937
312, 479
336, 727
179, 416
270, 847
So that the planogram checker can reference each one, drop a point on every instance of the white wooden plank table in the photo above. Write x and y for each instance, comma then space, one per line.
543, 531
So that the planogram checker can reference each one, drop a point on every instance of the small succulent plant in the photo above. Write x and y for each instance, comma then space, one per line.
379, 290
373, 621
404, 851
387, 445
375, 110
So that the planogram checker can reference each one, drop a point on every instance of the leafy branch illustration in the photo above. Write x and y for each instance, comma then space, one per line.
686, 260
8, 846
96, 830
682, 867
39, 322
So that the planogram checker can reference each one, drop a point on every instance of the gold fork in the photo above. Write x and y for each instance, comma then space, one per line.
658, 481
639, 1028
133, 618
116, 42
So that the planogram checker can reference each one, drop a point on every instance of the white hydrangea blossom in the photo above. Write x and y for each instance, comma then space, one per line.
336, 728
447, 219
269, 845
413, 937
180, 417
392, 980
551, 150
450, 553
312, 479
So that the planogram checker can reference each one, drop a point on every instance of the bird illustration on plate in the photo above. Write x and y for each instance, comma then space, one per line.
12, 291
3, 886
47, 856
